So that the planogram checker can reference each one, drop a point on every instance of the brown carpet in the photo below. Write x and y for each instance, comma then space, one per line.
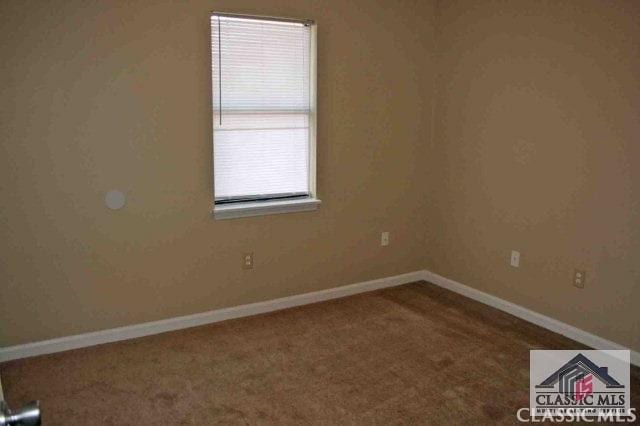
410, 354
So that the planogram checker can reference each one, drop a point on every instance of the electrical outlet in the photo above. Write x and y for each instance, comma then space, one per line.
579, 277
515, 258
247, 261
384, 239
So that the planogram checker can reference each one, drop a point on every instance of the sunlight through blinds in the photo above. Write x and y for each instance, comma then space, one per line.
261, 108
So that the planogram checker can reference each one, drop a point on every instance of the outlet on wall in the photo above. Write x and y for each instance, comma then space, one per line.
579, 277
247, 260
515, 258
384, 239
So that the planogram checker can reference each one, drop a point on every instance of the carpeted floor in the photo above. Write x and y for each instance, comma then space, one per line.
415, 354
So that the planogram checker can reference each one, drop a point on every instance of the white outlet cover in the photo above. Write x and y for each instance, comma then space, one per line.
515, 258
115, 199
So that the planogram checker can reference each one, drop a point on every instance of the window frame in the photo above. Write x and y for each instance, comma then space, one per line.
248, 208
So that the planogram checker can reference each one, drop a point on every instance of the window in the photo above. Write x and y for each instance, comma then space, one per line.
263, 81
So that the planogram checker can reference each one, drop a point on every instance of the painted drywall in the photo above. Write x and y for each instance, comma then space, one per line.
536, 149
101, 95
532, 147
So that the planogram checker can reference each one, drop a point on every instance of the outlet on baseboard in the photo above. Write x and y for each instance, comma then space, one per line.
579, 277
247, 260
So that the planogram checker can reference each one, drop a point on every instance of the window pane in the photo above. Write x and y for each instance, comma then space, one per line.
261, 107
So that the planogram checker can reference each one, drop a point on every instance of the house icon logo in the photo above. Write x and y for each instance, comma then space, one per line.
587, 382
575, 378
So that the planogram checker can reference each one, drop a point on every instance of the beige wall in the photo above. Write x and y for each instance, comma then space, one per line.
537, 149
109, 94
534, 147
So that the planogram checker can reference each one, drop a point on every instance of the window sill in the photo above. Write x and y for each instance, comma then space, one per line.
261, 208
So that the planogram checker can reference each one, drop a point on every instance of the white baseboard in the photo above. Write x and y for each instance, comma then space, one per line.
171, 324
177, 323
543, 321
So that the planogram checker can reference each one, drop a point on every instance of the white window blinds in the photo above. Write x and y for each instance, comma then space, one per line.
262, 108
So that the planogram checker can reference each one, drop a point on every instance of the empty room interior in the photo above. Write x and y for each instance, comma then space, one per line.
319, 211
